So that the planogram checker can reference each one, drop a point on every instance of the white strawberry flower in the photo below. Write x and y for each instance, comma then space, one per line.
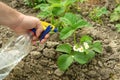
86, 45
75, 48
81, 49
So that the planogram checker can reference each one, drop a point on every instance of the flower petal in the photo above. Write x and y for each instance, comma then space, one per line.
86, 45
81, 49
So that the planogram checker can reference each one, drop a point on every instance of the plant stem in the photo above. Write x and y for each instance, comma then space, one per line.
32, 1
74, 38
52, 21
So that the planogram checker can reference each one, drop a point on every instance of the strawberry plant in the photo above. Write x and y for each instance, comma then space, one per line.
82, 1
115, 16
97, 13
33, 3
82, 52
54, 8
60, 15
71, 23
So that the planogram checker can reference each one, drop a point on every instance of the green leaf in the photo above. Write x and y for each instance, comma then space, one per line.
82, 1
42, 7
65, 21
97, 12
66, 32
117, 9
29, 3
101, 11
68, 2
64, 61
44, 14
73, 23
64, 48
72, 18
80, 24
118, 27
54, 1
58, 10
86, 38
115, 16
97, 47
83, 58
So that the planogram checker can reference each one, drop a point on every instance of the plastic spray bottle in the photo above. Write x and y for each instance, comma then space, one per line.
17, 48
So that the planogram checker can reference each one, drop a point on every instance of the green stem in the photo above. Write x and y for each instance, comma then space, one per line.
74, 38
32, 1
52, 21
44, 1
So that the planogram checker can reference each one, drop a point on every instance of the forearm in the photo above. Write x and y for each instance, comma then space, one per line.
8, 16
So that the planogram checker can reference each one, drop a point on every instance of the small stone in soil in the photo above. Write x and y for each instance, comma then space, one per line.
58, 72
105, 73
52, 44
106, 41
34, 48
44, 62
92, 74
35, 54
0, 44
108, 49
40, 47
85, 13
54, 66
18, 71
100, 64
50, 53
54, 37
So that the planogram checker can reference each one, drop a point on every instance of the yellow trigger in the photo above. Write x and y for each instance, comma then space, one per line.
45, 25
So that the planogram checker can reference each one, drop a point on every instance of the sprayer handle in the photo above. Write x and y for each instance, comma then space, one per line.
43, 34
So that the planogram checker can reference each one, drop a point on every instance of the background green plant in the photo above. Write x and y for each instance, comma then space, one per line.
61, 16
115, 16
54, 8
33, 3
97, 13
69, 56
118, 27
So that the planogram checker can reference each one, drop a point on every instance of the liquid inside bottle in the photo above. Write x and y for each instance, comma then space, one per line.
12, 53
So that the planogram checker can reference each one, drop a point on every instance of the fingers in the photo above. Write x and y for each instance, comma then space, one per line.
45, 39
34, 38
39, 29
42, 41
47, 36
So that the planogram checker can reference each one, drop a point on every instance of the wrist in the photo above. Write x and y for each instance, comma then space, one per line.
17, 21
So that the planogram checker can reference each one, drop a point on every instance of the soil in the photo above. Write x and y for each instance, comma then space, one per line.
40, 64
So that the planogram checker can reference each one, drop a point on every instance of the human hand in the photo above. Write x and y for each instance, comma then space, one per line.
25, 23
